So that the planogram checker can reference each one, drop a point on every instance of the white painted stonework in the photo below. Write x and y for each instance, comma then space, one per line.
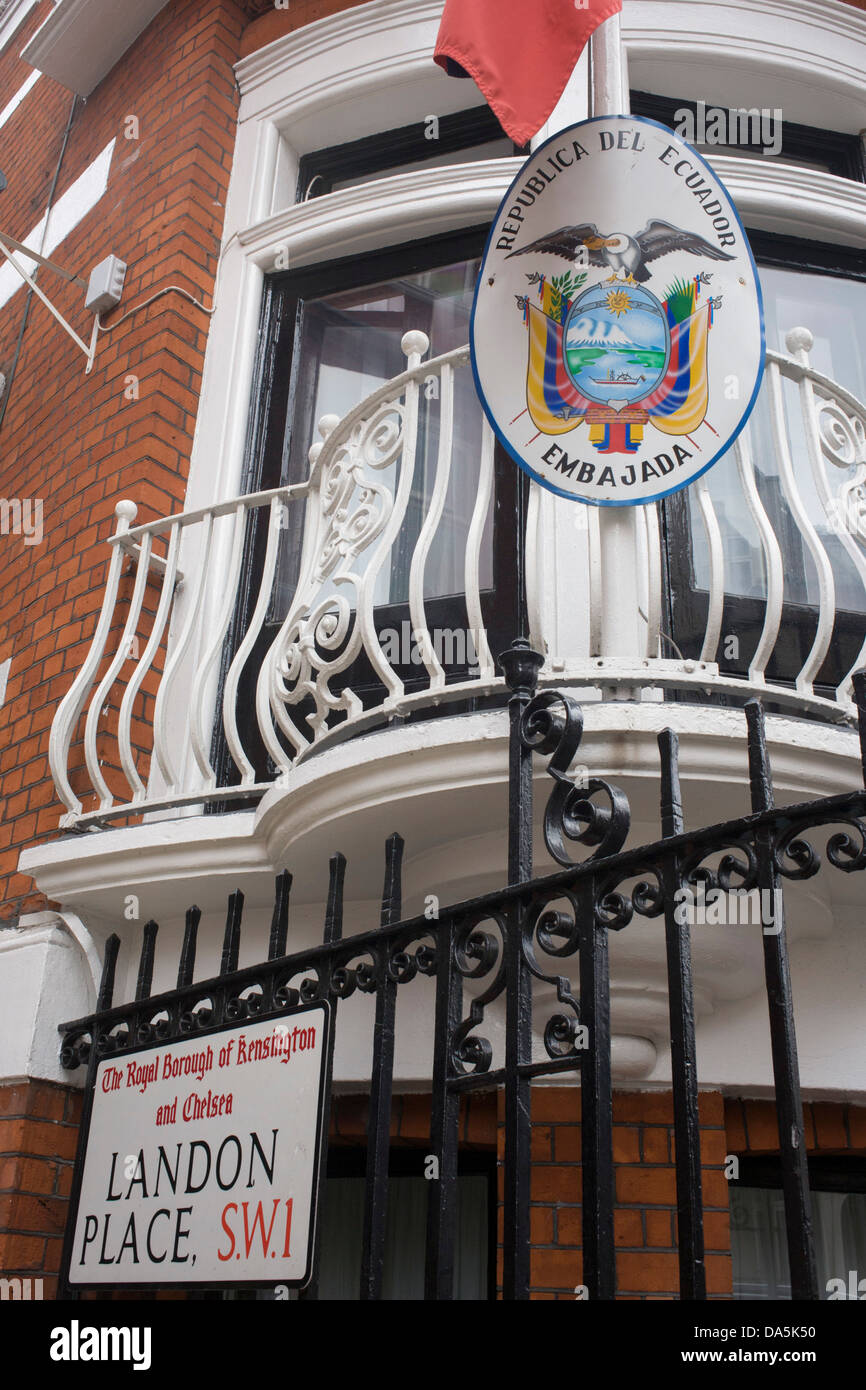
44, 980
81, 40
13, 17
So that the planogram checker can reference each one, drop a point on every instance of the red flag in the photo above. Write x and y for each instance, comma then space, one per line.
521, 56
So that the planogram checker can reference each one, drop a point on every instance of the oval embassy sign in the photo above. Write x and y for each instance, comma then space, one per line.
617, 329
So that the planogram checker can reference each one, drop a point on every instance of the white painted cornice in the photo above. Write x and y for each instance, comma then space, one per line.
825, 34
351, 796
775, 197
813, 51
796, 201
367, 51
372, 21
815, 45
94, 873
391, 209
778, 26
776, 22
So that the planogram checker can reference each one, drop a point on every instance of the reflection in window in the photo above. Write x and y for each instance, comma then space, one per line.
342, 1239
350, 346
759, 1248
834, 310
492, 149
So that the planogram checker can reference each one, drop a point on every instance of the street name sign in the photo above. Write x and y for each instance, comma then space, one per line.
202, 1159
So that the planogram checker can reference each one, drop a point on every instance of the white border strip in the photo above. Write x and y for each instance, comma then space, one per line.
78, 200
12, 106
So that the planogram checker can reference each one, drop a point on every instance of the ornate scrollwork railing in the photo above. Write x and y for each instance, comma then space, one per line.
136, 731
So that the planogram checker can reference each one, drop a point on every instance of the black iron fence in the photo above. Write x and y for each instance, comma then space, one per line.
494, 950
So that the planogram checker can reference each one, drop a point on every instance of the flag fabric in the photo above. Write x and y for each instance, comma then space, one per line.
679, 403
555, 404
520, 55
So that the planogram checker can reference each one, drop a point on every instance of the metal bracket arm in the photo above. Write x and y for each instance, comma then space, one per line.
6, 242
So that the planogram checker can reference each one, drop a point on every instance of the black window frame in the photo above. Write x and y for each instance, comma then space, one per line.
827, 1173
320, 169
845, 1173
842, 153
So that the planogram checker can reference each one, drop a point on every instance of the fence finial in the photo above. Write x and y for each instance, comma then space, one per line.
145, 964
521, 666
392, 892
760, 777
334, 909
671, 795
232, 937
109, 962
280, 919
187, 951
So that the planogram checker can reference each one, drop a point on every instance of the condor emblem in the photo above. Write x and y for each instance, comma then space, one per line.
617, 330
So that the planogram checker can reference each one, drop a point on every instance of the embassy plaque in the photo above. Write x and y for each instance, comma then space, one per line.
617, 330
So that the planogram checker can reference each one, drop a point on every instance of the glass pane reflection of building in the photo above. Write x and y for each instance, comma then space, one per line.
834, 310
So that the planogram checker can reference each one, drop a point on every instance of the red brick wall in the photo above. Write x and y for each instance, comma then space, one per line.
76, 441
38, 1137
39, 1129
831, 1128
273, 23
410, 1121
645, 1214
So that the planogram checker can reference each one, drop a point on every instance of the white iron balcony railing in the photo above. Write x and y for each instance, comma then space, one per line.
191, 693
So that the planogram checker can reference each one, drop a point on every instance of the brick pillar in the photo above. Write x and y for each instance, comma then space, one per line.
38, 1136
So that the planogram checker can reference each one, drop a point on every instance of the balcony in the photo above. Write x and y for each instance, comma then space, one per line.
238, 641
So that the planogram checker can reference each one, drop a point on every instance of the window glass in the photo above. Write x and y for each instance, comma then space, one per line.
349, 347
491, 149
753, 131
342, 1239
834, 310
759, 1248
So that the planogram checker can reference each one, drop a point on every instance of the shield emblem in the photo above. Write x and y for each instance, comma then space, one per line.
617, 344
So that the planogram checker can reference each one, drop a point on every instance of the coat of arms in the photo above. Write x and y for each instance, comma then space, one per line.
619, 327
